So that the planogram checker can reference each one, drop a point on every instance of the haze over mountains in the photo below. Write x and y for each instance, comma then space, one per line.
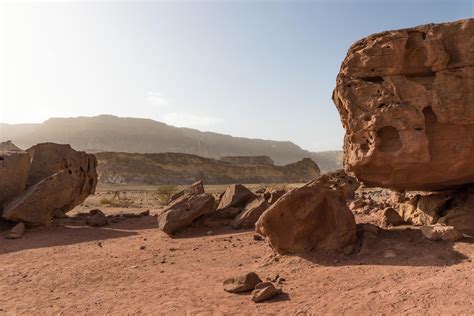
134, 135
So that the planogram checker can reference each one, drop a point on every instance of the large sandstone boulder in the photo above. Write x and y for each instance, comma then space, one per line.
314, 216
59, 179
14, 169
49, 158
406, 101
38, 203
183, 211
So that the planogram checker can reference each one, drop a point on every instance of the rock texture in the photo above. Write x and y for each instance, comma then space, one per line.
314, 216
14, 170
182, 212
59, 179
406, 101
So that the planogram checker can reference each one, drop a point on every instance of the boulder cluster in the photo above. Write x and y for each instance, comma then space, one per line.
45, 181
314, 216
236, 206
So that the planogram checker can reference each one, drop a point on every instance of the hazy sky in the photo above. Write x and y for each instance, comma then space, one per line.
260, 69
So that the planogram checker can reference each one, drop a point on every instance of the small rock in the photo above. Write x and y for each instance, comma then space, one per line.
16, 232
96, 218
209, 233
441, 232
142, 247
264, 291
390, 217
258, 237
242, 283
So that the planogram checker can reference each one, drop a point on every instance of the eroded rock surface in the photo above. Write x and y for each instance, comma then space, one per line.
406, 101
314, 216
14, 170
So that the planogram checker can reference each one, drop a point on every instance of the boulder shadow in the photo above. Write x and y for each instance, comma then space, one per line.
394, 247
74, 232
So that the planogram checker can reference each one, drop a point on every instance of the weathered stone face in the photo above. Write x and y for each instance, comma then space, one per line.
14, 169
406, 101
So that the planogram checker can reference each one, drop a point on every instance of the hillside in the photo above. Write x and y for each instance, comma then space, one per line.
133, 135
173, 168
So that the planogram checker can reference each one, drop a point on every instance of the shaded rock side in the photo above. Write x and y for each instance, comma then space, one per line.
14, 170
38, 203
314, 216
182, 212
406, 101
252, 212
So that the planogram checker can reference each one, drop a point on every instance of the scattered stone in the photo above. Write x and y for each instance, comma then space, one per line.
210, 233
314, 216
242, 283
16, 232
257, 237
252, 212
390, 218
182, 212
397, 197
264, 291
441, 232
143, 247
96, 218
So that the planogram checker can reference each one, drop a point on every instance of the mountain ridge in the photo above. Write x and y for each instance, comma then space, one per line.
141, 135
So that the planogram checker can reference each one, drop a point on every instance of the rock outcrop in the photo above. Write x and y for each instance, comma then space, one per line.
314, 216
59, 179
406, 101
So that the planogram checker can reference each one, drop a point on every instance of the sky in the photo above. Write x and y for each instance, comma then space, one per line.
258, 69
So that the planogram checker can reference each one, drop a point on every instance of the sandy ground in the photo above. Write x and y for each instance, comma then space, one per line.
130, 267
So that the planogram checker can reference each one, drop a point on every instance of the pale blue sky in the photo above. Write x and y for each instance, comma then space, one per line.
260, 69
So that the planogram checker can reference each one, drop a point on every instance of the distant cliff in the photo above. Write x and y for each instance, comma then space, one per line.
173, 168
119, 134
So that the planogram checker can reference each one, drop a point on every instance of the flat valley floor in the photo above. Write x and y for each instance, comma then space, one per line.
131, 267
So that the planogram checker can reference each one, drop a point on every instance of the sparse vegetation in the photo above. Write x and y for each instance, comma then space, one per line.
166, 191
